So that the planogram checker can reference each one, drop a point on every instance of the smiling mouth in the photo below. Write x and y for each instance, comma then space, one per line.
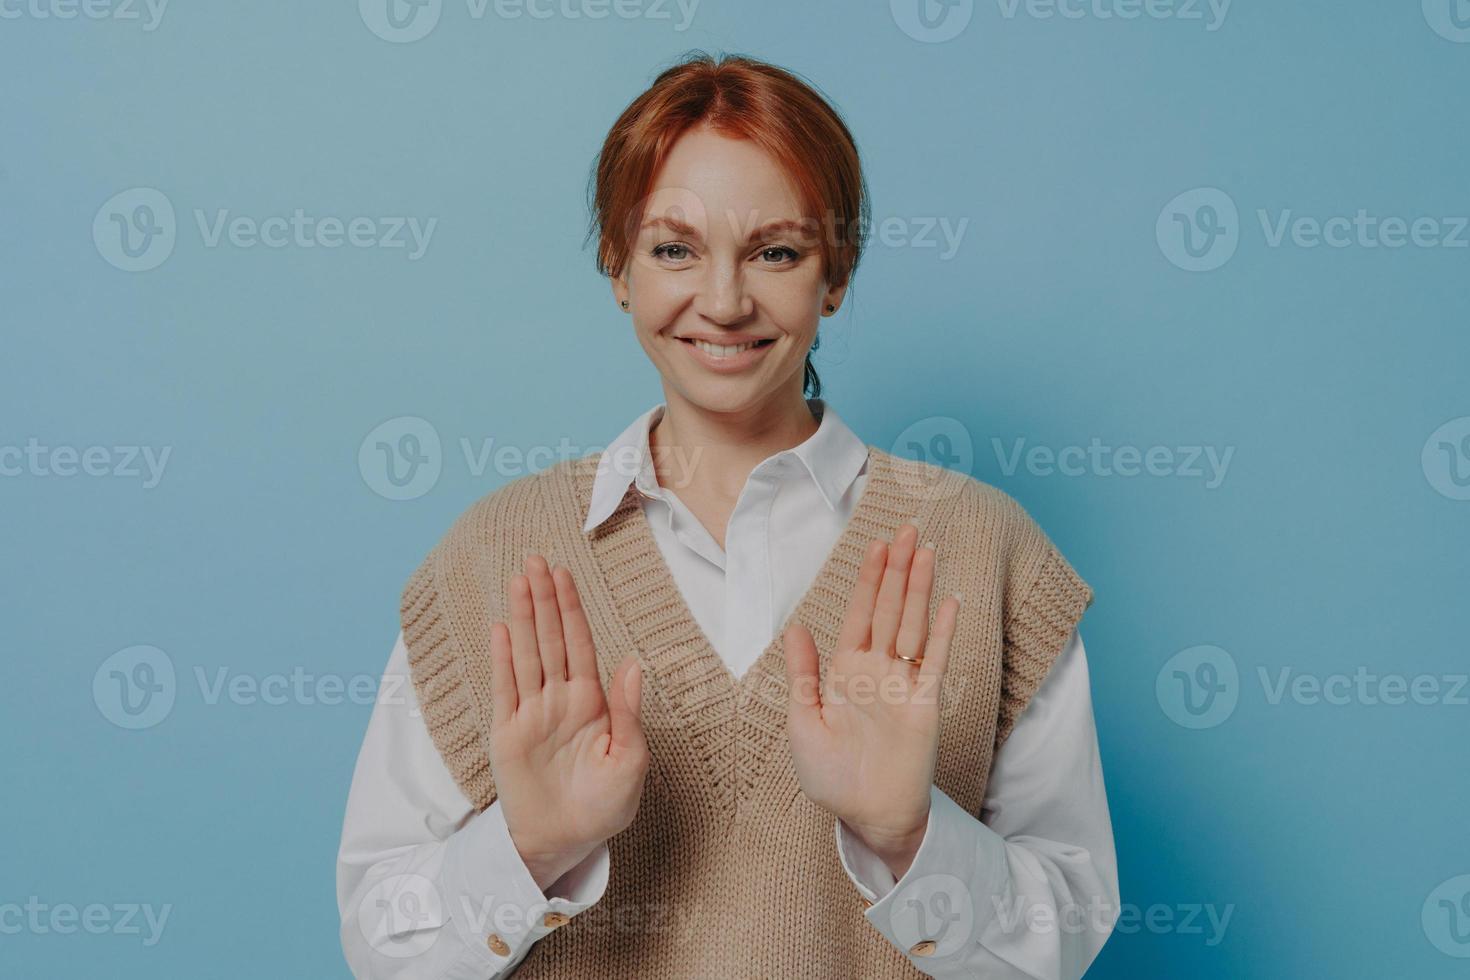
726, 350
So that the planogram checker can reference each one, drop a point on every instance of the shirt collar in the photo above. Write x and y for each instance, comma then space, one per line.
833, 457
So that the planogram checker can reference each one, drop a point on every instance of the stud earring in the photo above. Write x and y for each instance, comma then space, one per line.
830, 308
624, 304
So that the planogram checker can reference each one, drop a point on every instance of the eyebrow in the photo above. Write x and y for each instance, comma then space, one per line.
772, 227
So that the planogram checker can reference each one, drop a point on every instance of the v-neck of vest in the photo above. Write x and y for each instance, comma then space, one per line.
733, 722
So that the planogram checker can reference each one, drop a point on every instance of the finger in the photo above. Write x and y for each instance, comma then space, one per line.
548, 621
804, 697
524, 655
889, 608
857, 624
502, 675
913, 629
624, 697
581, 651
936, 657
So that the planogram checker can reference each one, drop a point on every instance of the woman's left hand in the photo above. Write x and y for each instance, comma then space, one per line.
865, 739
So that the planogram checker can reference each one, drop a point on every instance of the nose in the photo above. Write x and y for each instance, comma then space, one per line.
722, 296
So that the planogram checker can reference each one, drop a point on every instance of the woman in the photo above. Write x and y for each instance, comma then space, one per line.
824, 750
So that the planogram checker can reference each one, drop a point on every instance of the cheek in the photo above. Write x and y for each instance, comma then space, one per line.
657, 291
656, 305
792, 301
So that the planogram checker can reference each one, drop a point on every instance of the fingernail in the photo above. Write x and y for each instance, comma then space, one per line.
929, 545
959, 597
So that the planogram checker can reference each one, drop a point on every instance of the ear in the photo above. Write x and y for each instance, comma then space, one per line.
834, 297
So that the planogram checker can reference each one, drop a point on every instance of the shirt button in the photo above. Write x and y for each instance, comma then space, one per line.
924, 947
497, 945
554, 919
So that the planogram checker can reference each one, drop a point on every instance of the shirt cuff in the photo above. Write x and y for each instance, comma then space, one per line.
946, 898
496, 905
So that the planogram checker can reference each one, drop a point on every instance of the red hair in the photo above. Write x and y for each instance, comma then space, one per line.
741, 98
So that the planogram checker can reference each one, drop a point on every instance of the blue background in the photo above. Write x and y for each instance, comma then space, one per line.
1061, 318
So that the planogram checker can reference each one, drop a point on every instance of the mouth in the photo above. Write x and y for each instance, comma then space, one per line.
727, 357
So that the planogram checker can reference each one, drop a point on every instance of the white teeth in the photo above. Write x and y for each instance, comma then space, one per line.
718, 350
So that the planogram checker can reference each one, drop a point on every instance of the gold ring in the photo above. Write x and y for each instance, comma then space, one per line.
916, 661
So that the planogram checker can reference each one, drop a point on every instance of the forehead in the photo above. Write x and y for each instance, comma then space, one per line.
727, 174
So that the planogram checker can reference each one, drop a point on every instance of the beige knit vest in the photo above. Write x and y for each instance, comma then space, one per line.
729, 871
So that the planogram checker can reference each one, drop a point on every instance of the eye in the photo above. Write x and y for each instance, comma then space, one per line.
781, 252
673, 251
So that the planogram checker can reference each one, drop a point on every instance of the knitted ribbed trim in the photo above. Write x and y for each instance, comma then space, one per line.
1035, 633
1019, 590
733, 724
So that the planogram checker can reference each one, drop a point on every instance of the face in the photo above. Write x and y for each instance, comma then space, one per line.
725, 282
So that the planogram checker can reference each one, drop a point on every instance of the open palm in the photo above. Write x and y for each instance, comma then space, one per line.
568, 763
865, 737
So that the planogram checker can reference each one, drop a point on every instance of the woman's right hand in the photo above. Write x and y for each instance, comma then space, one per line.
568, 763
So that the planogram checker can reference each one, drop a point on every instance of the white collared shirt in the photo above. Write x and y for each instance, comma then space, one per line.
428, 888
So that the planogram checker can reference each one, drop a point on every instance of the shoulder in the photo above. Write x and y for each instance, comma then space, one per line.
500, 526
1028, 592
484, 543
957, 499
520, 505
997, 529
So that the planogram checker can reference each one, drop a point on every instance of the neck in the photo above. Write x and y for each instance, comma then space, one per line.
714, 452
